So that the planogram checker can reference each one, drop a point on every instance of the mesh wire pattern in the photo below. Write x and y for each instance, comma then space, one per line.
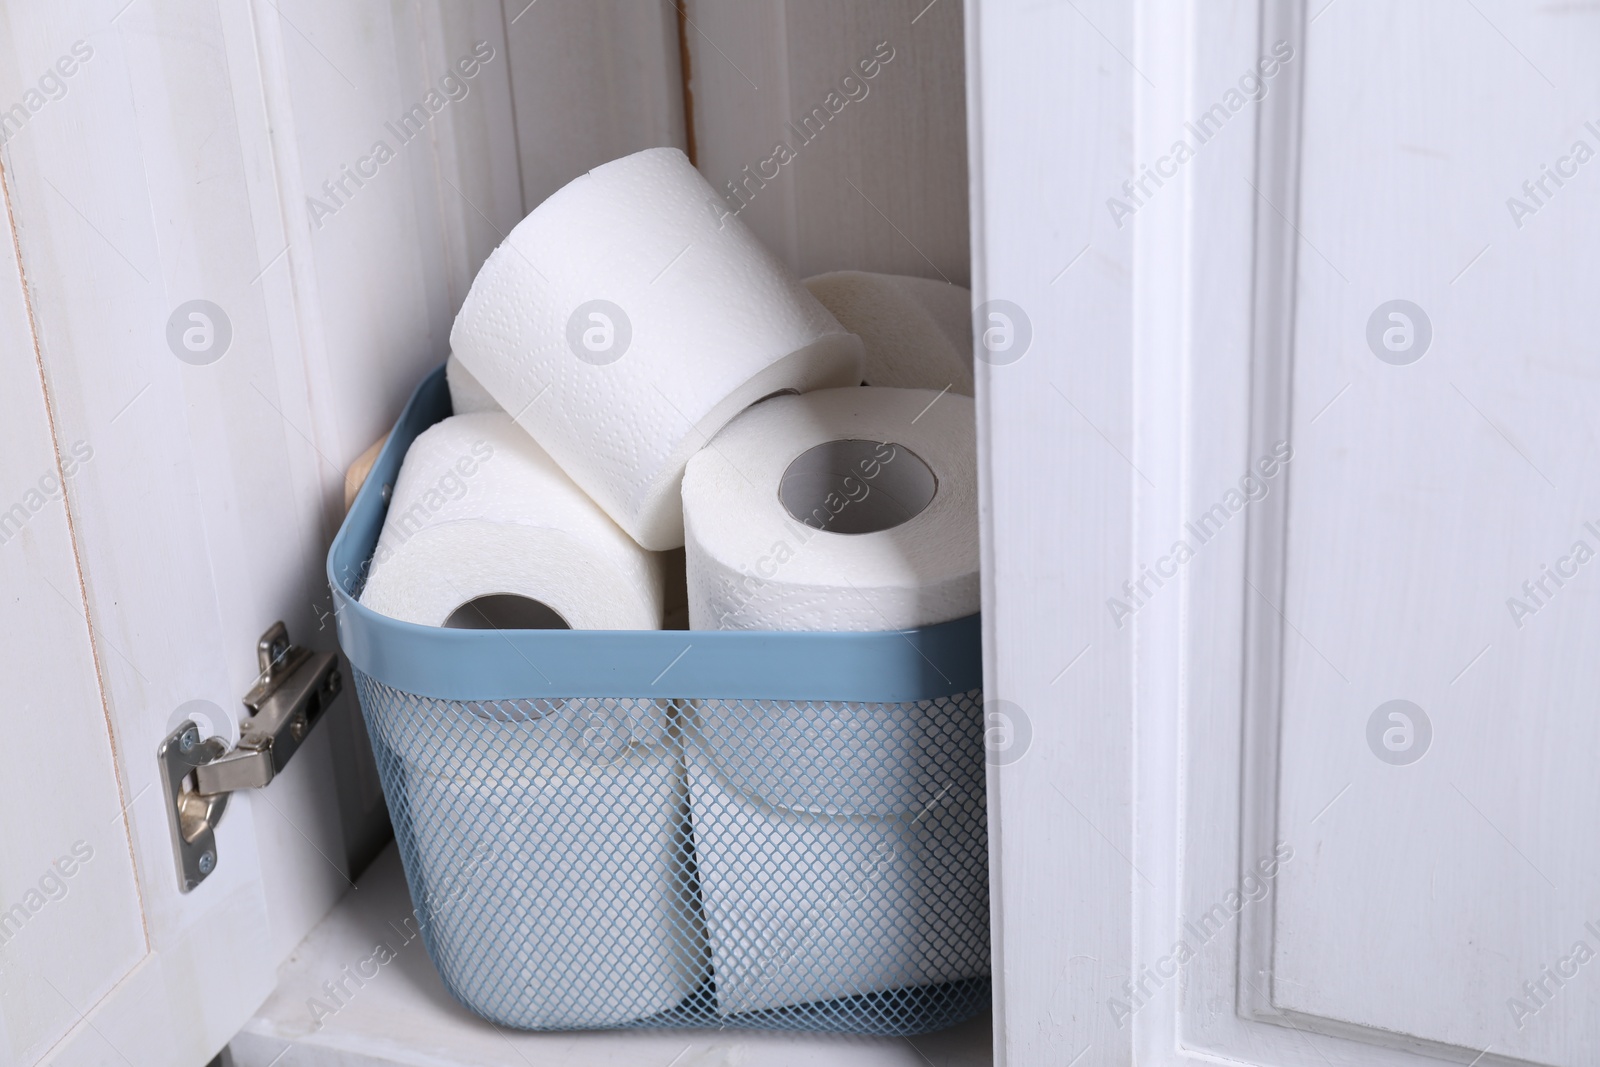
611, 863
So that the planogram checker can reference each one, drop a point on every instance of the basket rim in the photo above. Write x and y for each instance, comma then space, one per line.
891, 666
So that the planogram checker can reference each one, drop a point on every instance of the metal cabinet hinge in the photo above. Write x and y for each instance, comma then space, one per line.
294, 688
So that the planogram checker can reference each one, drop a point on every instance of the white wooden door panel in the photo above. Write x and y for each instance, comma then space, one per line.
1219, 388
176, 163
836, 130
1427, 496
1359, 527
180, 573
70, 926
1193, 414
1054, 436
1406, 901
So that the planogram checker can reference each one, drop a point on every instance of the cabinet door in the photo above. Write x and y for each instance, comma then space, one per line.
1294, 518
71, 927
215, 291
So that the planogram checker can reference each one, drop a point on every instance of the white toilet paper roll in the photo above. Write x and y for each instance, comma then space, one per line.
482, 522
627, 319
916, 332
467, 395
843, 509
549, 848
814, 903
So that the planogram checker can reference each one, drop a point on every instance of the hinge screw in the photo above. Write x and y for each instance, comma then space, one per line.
208, 861
189, 739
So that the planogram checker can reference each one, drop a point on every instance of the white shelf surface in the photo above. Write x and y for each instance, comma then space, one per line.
404, 1016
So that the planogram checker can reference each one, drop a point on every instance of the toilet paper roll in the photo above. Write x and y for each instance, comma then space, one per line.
545, 841
843, 509
480, 511
916, 332
467, 396
627, 319
804, 908
824, 870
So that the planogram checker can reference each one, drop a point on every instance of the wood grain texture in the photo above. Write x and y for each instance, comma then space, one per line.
872, 171
125, 190
1212, 396
180, 162
404, 1015
70, 922
378, 269
592, 80
1418, 898
1423, 501
1054, 438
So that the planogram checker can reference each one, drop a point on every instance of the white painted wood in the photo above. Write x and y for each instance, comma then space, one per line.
483, 198
1414, 904
1461, 874
402, 1014
232, 152
410, 1019
877, 180
1222, 261
176, 162
70, 923
1417, 899
1055, 435
92, 214
378, 269
593, 80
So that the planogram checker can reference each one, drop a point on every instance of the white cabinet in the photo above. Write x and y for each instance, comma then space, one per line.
1290, 522
71, 927
325, 1012
1289, 506
326, 179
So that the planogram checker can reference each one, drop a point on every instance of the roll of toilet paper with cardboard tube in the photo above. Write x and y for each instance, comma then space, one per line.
484, 530
916, 333
842, 509
467, 395
837, 843
627, 319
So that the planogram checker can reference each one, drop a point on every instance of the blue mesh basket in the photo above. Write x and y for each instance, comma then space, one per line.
606, 829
